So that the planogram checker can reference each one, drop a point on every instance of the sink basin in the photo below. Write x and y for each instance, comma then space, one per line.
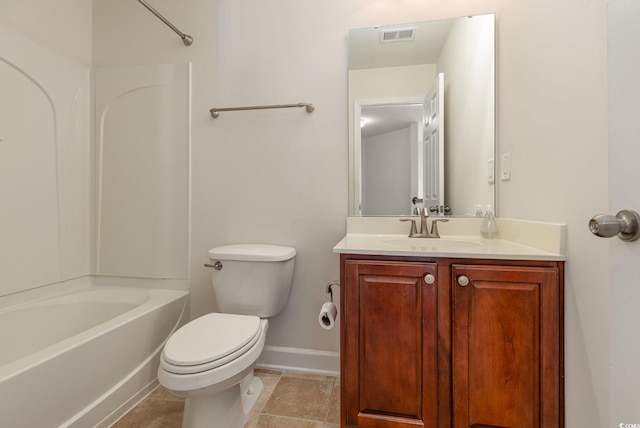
430, 244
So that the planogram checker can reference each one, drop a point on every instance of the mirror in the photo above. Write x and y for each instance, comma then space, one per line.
422, 117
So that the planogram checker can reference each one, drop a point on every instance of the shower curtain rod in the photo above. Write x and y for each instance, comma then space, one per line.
186, 39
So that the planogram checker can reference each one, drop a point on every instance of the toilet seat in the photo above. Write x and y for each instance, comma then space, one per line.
209, 342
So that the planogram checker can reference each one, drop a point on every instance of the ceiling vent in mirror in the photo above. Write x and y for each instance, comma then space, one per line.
396, 34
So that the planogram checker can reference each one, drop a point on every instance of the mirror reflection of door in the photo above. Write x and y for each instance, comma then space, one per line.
434, 147
391, 156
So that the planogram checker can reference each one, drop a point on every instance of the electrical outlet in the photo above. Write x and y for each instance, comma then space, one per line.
506, 167
491, 171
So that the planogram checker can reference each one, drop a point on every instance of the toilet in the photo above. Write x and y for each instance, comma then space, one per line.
209, 361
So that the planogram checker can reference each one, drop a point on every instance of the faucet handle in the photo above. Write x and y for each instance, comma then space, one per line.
434, 226
414, 229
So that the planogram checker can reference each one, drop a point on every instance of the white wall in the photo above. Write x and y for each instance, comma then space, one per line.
386, 161
63, 26
469, 112
552, 118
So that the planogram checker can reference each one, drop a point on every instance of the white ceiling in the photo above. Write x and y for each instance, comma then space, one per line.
388, 118
366, 51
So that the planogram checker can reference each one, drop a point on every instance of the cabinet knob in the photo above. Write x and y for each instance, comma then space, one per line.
429, 279
463, 280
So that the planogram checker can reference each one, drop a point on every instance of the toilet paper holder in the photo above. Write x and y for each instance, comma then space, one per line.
329, 288
328, 311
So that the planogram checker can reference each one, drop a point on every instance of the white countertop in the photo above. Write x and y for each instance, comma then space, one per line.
518, 240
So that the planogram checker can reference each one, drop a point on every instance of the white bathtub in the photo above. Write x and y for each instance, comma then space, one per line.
82, 358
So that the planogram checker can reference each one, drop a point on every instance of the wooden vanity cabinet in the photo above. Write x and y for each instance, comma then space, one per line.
506, 346
389, 344
451, 343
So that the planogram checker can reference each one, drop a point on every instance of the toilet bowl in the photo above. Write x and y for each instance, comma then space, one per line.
210, 360
220, 388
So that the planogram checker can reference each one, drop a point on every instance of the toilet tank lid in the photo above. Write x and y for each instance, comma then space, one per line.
252, 252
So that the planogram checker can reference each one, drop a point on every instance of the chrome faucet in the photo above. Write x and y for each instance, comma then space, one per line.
424, 214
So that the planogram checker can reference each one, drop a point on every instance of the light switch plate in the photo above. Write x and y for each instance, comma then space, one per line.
506, 167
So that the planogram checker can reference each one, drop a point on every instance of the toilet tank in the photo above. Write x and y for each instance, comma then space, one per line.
254, 279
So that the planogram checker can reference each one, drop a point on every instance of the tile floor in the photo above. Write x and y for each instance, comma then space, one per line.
289, 400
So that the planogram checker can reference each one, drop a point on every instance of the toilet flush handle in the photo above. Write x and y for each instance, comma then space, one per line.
216, 265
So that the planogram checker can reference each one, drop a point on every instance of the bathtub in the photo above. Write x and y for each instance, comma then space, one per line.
83, 357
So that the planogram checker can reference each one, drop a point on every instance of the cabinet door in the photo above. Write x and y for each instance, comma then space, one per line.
506, 347
389, 345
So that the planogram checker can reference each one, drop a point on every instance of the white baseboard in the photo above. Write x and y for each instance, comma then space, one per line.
300, 360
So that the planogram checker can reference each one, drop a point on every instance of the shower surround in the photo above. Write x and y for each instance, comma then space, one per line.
104, 217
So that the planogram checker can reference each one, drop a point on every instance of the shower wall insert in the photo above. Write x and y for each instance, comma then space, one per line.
186, 39
51, 178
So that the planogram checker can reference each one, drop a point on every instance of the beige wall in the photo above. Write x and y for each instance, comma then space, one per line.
281, 176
